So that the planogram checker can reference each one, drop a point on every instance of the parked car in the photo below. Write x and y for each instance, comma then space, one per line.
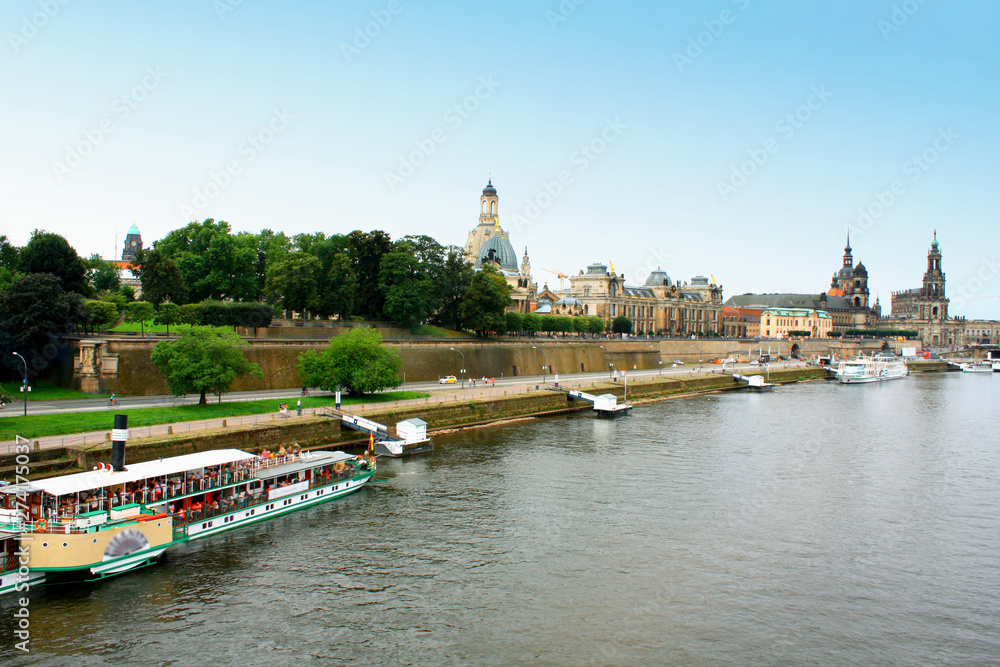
449, 379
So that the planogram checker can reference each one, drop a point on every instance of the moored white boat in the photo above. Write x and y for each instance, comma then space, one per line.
977, 367
95, 524
876, 368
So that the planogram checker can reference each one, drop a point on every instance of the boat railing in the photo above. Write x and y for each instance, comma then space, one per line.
235, 503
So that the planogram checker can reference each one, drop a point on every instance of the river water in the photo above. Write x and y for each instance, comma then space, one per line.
815, 525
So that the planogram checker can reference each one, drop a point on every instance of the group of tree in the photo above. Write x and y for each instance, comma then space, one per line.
359, 275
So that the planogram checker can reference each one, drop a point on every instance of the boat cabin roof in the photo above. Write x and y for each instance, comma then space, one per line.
308, 461
99, 479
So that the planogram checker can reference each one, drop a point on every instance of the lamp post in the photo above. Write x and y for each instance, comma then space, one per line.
24, 385
544, 365
463, 364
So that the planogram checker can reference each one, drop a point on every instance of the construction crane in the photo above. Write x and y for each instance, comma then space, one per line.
562, 276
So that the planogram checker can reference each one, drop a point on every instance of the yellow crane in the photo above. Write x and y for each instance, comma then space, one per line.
562, 276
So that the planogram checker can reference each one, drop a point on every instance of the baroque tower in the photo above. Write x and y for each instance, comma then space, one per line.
932, 290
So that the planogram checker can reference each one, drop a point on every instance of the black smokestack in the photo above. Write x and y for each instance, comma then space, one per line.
118, 437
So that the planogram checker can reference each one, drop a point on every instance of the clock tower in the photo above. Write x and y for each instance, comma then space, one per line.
133, 244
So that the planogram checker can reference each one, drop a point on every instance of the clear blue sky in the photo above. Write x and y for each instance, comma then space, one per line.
162, 95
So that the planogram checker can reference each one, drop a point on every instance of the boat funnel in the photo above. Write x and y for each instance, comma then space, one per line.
119, 434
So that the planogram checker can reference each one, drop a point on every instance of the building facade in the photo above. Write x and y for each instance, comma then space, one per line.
846, 301
660, 306
925, 309
783, 322
489, 243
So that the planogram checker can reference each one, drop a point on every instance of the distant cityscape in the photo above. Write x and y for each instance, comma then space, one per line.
664, 306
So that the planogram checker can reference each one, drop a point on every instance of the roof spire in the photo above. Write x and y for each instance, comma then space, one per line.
848, 247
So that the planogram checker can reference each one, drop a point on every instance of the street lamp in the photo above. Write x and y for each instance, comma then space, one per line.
24, 386
544, 365
463, 364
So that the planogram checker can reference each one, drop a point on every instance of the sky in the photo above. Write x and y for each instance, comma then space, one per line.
735, 139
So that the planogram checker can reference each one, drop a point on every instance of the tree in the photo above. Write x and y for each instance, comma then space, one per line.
214, 263
203, 360
596, 324
141, 312
339, 296
291, 282
514, 322
485, 300
51, 253
8, 254
35, 312
366, 250
100, 314
160, 276
193, 314
355, 360
621, 325
104, 276
268, 248
456, 276
409, 283
167, 314
532, 323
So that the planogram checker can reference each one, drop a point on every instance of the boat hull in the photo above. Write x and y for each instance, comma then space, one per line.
262, 512
397, 450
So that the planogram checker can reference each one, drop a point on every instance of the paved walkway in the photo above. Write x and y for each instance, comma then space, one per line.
441, 395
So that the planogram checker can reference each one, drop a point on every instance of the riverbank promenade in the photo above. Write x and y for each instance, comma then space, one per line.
439, 395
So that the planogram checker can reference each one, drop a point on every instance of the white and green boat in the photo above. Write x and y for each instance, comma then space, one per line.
91, 525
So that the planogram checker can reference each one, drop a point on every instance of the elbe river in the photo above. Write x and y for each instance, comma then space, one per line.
816, 525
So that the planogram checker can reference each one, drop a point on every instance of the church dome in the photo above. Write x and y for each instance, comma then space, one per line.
860, 269
489, 190
567, 301
502, 252
658, 278
133, 230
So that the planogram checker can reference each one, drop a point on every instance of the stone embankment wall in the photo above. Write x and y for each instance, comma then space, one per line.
429, 360
325, 432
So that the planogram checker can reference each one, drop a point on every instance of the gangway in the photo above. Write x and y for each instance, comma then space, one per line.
605, 405
411, 434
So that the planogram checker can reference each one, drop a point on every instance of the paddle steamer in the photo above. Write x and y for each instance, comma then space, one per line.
91, 525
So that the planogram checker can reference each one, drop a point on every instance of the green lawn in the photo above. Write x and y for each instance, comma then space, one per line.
37, 426
44, 391
430, 330
175, 329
